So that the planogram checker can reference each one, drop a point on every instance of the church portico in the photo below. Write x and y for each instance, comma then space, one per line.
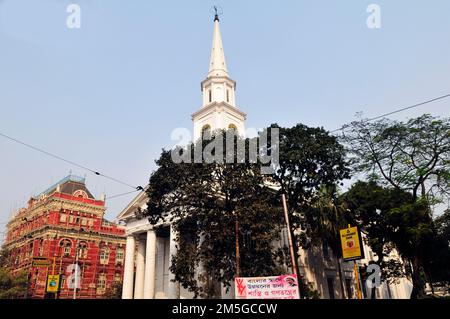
147, 262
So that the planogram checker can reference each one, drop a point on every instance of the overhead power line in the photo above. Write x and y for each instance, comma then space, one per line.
123, 194
396, 111
136, 188
140, 188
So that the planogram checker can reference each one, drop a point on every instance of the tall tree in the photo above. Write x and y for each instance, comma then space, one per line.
437, 256
326, 216
413, 233
309, 159
226, 219
411, 156
369, 206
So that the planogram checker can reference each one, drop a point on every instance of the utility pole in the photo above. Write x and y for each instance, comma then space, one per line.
77, 247
238, 254
76, 272
356, 271
291, 245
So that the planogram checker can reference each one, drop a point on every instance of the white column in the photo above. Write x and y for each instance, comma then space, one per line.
150, 265
140, 268
173, 287
127, 290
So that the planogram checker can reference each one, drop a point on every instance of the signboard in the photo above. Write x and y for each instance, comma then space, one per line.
41, 262
73, 273
352, 248
276, 287
53, 283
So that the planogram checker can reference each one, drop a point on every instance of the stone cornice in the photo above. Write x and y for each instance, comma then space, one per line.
215, 106
216, 79
52, 231
55, 204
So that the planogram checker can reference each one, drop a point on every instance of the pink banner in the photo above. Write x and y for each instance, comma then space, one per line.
276, 287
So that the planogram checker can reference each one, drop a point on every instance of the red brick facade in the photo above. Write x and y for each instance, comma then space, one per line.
57, 224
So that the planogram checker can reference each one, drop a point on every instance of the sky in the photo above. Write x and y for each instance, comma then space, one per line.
109, 94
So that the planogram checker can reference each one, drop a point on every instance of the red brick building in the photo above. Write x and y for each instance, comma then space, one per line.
64, 227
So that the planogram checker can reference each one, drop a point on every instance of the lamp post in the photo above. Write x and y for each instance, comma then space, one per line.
76, 272
77, 247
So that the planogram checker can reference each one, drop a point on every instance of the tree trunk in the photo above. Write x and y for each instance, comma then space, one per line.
344, 293
373, 294
418, 283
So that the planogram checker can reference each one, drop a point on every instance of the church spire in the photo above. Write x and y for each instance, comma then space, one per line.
219, 110
217, 66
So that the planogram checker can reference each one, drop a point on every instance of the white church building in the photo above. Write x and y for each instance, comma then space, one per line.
149, 248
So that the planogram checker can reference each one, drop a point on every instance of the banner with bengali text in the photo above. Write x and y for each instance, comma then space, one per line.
275, 287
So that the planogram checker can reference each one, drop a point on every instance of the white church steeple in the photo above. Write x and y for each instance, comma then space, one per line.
219, 110
217, 66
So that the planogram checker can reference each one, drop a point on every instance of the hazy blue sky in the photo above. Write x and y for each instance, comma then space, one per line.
109, 94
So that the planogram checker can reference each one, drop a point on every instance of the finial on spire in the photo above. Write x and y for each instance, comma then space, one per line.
217, 13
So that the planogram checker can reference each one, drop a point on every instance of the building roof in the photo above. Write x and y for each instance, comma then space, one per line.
68, 185
140, 201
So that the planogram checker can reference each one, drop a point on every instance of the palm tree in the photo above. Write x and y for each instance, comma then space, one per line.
325, 218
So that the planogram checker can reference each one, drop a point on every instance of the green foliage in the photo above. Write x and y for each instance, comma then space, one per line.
114, 291
311, 162
12, 287
436, 253
206, 202
369, 206
413, 156
325, 217
5, 258
310, 158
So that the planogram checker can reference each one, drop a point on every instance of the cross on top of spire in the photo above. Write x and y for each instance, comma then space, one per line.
217, 13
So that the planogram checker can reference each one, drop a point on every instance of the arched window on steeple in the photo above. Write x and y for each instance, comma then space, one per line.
206, 131
209, 96
232, 127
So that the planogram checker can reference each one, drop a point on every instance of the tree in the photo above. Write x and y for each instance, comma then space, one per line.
309, 160
11, 286
225, 218
326, 216
5, 257
413, 233
437, 257
413, 157
368, 206
114, 291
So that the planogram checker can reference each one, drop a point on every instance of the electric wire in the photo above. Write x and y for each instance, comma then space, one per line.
396, 111
70, 162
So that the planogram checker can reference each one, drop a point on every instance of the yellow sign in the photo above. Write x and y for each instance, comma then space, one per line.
53, 283
351, 245
41, 262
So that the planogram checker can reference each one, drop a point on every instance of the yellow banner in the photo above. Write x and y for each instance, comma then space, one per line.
53, 283
351, 248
